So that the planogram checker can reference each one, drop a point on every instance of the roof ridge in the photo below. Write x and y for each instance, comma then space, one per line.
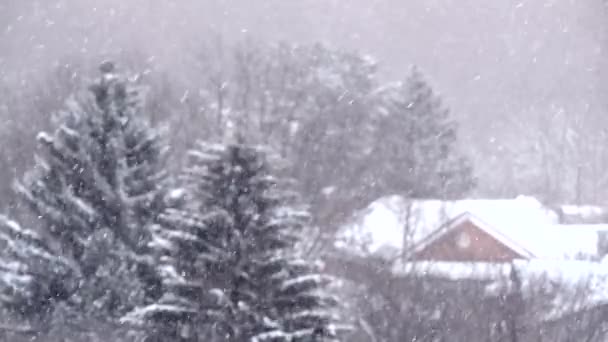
489, 229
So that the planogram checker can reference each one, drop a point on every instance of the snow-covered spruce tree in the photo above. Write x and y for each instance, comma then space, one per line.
30, 272
231, 264
418, 142
98, 181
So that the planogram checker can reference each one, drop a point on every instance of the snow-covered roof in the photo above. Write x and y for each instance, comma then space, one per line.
576, 240
485, 227
583, 213
392, 223
481, 271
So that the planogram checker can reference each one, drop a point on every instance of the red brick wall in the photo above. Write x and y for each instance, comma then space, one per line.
482, 247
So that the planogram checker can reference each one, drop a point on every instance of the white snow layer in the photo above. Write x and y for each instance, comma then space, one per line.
454, 270
583, 211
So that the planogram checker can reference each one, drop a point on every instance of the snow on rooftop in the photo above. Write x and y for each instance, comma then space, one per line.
582, 210
390, 222
578, 240
454, 270
587, 214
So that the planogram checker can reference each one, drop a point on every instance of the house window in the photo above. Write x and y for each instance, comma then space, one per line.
463, 240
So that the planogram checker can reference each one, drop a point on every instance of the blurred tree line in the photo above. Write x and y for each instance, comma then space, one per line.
348, 136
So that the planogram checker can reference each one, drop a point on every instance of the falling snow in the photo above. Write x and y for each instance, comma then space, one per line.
297, 171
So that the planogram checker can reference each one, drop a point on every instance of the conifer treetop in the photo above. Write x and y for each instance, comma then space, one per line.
230, 260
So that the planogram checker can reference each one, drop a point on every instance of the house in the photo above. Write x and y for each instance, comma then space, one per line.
478, 263
472, 230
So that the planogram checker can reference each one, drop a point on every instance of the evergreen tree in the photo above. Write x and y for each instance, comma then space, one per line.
416, 144
230, 260
98, 183
30, 273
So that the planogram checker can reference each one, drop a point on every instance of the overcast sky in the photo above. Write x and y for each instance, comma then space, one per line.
488, 58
